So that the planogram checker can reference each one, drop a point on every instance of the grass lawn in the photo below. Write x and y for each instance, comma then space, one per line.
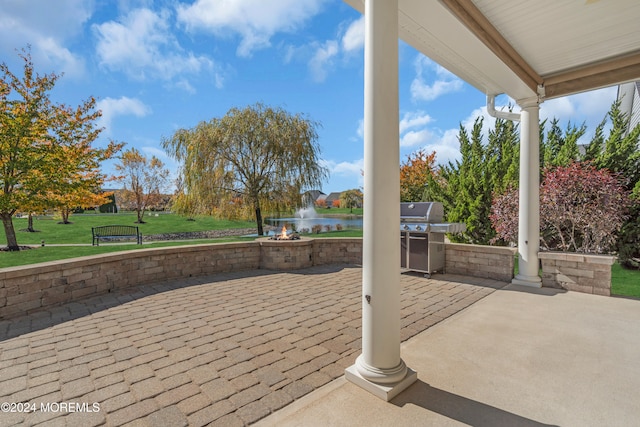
339, 211
625, 282
80, 230
54, 253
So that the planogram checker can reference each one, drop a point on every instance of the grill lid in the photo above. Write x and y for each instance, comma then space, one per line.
423, 212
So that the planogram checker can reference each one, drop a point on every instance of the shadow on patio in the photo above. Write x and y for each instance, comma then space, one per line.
514, 358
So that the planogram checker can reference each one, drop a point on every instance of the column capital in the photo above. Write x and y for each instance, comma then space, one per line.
533, 101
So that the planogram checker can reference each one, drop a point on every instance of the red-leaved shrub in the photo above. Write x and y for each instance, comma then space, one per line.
581, 209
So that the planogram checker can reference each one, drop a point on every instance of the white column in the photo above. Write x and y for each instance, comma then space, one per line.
379, 368
529, 208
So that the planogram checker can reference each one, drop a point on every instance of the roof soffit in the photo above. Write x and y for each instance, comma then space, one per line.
511, 47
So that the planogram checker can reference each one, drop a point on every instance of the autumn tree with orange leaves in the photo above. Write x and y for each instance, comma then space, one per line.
45, 148
144, 180
414, 175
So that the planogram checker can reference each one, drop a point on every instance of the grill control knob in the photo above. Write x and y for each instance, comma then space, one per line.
418, 228
406, 227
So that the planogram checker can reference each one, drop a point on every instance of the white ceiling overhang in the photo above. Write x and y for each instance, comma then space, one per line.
512, 47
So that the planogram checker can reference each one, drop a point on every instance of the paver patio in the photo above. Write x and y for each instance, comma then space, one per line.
221, 350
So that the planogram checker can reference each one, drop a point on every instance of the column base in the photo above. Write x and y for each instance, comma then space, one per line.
385, 392
532, 281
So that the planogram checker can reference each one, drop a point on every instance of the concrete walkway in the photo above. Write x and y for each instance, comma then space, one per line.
225, 350
519, 357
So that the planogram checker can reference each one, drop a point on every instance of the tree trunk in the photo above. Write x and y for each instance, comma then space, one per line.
9, 231
259, 218
140, 213
65, 215
30, 228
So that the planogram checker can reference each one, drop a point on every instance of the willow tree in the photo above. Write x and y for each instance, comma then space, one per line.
258, 157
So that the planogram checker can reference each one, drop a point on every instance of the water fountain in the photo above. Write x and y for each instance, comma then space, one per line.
308, 212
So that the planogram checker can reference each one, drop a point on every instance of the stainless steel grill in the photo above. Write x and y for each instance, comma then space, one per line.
422, 236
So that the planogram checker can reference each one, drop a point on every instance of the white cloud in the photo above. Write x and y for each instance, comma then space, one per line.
46, 26
347, 168
323, 59
447, 147
414, 119
141, 45
345, 172
444, 143
157, 152
413, 138
353, 168
413, 129
255, 21
559, 107
353, 38
184, 85
360, 130
445, 82
122, 106
591, 106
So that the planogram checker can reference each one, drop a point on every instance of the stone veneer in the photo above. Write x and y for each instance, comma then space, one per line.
286, 254
29, 288
494, 262
577, 272
307, 252
26, 289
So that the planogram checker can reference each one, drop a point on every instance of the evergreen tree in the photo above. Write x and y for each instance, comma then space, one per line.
560, 148
620, 153
466, 188
594, 148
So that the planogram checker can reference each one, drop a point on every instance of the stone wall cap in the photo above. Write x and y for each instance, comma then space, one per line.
578, 257
482, 248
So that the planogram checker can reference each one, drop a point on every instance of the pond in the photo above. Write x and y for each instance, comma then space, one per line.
298, 223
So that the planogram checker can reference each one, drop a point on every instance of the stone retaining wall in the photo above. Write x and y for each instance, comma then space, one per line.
577, 272
495, 262
26, 289
337, 250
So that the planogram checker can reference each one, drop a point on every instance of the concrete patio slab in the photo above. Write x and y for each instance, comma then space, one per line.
519, 357
225, 350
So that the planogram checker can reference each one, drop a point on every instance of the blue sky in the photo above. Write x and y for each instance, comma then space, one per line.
158, 66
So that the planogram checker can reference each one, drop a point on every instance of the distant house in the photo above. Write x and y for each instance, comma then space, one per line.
112, 206
310, 197
629, 98
331, 197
